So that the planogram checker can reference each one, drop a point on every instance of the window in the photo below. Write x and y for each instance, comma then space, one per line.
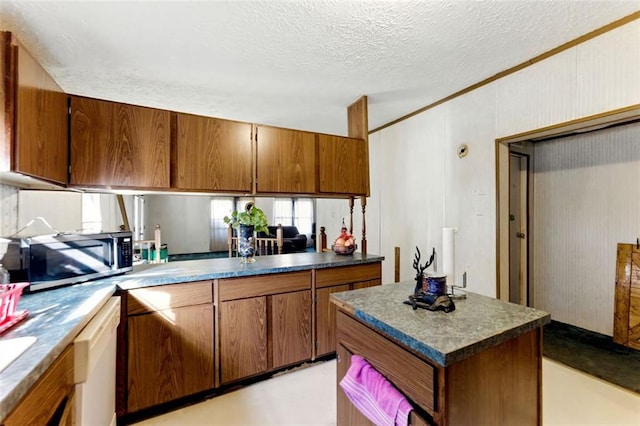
283, 211
294, 211
303, 215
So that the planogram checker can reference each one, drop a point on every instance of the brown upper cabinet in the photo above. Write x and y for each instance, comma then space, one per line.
119, 145
343, 165
286, 161
84, 142
211, 154
34, 116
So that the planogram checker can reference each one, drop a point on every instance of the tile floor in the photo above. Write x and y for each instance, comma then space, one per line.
307, 397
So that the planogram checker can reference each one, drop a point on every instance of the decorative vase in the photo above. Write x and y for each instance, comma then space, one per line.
246, 243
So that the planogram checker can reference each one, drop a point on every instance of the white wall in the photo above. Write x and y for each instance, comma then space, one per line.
421, 184
183, 219
586, 200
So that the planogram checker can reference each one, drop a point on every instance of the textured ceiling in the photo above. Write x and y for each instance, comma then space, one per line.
295, 64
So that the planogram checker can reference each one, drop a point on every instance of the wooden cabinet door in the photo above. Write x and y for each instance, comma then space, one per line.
343, 165
41, 138
290, 325
119, 145
170, 355
212, 154
286, 161
326, 319
243, 338
33, 117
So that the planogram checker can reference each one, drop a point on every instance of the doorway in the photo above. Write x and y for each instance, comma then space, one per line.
518, 228
504, 147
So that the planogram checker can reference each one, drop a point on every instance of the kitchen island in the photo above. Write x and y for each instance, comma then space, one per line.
480, 364
192, 291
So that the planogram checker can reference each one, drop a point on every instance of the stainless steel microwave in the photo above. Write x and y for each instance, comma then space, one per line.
50, 261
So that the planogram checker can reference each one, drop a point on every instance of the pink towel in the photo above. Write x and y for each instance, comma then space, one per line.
373, 395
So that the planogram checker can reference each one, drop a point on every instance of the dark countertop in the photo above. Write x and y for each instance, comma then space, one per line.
479, 322
57, 316
209, 269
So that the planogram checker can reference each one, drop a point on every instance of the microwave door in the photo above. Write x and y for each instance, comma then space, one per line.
64, 259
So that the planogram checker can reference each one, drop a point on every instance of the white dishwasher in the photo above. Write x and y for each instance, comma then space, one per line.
95, 367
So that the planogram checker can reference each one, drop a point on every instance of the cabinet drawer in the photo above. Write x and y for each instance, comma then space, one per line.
348, 274
263, 285
412, 376
152, 299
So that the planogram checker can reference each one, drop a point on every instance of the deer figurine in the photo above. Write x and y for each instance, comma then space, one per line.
420, 269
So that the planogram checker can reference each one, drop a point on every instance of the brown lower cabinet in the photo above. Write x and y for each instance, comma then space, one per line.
243, 338
333, 280
264, 323
169, 344
51, 401
172, 355
178, 340
498, 386
290, 318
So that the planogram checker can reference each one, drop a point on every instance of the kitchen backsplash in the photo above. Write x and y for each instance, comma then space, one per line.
8, 210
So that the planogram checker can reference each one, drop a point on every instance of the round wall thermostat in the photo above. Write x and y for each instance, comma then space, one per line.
463, 150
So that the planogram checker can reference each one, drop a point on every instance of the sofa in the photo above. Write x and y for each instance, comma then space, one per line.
292, 240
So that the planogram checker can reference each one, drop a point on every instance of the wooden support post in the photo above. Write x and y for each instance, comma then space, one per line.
351, 202
323, 240
396, 275
123, 212
363, 201
230, 240
358, 127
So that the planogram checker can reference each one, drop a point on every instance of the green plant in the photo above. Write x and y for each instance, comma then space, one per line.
251, 216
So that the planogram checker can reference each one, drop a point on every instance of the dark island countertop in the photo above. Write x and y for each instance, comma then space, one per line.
479, 322
57, 316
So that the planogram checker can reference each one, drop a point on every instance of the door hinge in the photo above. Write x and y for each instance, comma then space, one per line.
520, 235
315, 299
